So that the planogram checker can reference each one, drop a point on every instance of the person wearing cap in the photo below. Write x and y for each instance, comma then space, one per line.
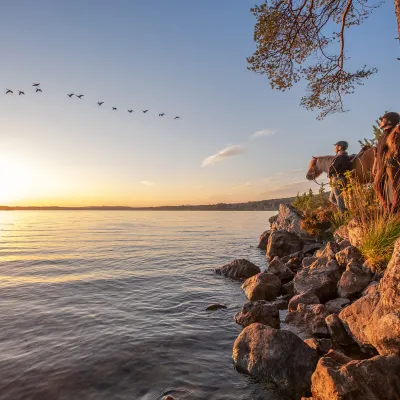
387, 162
340, 165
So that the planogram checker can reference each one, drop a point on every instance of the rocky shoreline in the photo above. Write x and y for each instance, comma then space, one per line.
320, 323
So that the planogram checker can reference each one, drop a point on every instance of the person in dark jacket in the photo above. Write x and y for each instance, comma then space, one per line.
340, 165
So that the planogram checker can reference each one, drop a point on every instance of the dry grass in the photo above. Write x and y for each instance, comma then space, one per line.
379, 229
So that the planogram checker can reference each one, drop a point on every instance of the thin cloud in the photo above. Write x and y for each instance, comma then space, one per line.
229, 151
263, 132
148, 183
291, 172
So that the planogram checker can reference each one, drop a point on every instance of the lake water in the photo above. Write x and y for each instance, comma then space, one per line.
111, 305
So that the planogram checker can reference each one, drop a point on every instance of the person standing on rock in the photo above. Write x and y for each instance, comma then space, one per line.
340, 165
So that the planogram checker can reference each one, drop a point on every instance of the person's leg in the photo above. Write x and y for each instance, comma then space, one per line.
332, 196
340, 185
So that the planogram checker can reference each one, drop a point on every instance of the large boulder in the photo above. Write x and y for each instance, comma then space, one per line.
308, 320
264, 240
278, 356
283, 243
278, 268
353, 281
319, 278
260, 311
238, 269
262, 286
288, 219
374, 319
357, 316
337, 377
304, 298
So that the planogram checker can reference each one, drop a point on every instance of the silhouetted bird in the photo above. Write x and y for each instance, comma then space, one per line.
100, 103
161, 115
9, 91
21, 92
36, 84
145, 111
177, 118
38, 90
130, 111
70, 95
114, 108
80, 96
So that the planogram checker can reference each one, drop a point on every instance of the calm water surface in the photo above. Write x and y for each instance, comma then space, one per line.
110, 305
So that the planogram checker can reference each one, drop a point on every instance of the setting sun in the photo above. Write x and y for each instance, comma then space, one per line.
16, 178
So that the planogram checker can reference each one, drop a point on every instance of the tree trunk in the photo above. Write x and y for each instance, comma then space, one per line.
397, 7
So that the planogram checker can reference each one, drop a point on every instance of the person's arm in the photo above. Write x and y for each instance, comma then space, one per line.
333, 168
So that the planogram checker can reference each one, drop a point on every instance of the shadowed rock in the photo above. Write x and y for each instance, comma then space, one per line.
260, 311
319, 278
309, 320
304, 298
214, 307
336, 305
278, 356
279, 269
353, 280
264, 240
238, 269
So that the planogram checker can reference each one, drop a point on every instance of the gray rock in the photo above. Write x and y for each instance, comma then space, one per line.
260, 311
262, 286
304, 298
288, 289
308, 320
214, 307
238, 269
280, 270
347, 255
336, 305
320, 279
278, 356
353, 281
282, 243
337, 331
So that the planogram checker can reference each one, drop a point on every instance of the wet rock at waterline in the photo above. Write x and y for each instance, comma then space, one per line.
262, 286
260, 311
278, 356
238, 269
214, 307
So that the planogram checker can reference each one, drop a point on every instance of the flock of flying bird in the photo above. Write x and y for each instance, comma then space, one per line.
99, 103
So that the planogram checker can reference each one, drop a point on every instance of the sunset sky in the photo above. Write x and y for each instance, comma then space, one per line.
237, 140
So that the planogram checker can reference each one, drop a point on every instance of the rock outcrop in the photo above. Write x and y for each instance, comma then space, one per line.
374, 319
238, 269
262, 286
288, 219
260, 311
278, 356
337, 377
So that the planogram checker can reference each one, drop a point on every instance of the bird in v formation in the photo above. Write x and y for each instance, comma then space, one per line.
38, 89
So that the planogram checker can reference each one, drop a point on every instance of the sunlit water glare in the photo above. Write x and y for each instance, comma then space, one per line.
111, 305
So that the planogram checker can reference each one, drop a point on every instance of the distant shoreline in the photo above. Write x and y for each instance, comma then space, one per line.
262, 205
119, 209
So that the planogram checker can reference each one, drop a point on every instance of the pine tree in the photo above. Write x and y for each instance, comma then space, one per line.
372, 142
